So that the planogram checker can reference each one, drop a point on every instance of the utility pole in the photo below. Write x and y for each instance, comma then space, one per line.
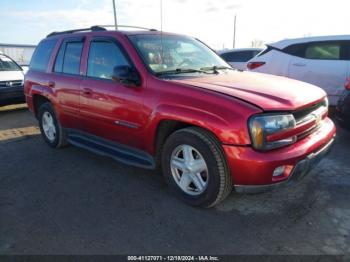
115, 16
234, 31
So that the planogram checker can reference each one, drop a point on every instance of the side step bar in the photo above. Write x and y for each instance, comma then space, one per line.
121, 153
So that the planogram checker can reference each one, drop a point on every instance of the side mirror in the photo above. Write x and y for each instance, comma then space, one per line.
126, 75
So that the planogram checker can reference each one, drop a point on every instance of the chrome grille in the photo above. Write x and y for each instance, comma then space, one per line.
313, 113
301, 115
11, 83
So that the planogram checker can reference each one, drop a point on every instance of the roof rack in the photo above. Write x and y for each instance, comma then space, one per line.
92, 28
130, 26
96, 28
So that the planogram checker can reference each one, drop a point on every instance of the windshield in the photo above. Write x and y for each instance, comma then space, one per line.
6, 64
176, 54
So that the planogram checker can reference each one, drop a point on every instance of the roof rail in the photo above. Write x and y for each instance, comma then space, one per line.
97, 28
92, 28
129, 26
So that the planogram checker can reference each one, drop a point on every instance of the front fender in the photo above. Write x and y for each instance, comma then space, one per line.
229, 127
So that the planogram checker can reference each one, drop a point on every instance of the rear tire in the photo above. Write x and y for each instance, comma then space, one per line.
195, 168
50, 128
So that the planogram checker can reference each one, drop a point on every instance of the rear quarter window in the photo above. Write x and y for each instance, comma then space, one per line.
42, 54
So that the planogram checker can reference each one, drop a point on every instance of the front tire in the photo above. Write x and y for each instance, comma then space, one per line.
195, 168
50, 128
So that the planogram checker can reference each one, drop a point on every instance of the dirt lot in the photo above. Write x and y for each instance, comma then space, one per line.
72, 201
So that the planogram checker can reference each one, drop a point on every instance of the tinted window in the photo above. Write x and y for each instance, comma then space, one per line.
71, 60
296, 50
103, 57
267, 50
238, 56
327, 51
59, 59
42, 54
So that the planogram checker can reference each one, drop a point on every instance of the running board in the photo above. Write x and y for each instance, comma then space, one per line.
121, 153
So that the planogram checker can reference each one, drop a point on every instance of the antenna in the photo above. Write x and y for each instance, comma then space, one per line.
161, 15
234, 31
115, 16
161, 29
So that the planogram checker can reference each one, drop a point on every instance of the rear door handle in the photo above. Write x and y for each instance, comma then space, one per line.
87, 91
51, 84
299, 64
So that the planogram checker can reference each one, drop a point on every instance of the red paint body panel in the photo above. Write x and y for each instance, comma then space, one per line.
272, 93
220, 103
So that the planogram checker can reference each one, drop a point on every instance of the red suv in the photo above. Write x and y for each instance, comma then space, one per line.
159, 100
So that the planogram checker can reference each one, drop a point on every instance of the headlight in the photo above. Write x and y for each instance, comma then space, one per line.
261, 128
325, 102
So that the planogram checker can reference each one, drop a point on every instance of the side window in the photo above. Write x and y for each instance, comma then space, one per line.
42, 54
240, 56
103, 57
326, 51
68, 58
296, 50
59, 59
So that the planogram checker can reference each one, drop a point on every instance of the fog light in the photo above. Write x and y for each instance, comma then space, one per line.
278, 171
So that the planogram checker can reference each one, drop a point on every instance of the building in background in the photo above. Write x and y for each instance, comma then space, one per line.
20, 53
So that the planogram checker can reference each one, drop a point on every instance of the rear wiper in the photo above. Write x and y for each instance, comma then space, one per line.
182, 71
216, 68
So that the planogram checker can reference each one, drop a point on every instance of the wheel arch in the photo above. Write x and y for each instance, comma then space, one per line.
38, 100
167, 127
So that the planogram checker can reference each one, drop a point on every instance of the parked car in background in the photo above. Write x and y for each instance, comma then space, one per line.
11, 81
25, 68
154, 99
239, 57
342, 112
323, 61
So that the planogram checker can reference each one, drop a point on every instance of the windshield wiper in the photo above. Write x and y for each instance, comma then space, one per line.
216, 68
182, 71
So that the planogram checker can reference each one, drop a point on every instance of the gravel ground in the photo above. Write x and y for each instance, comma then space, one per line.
70, 201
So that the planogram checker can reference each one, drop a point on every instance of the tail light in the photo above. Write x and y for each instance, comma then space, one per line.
347, 84
254, 65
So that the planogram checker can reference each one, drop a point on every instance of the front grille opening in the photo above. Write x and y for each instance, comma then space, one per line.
301, 114
14, 83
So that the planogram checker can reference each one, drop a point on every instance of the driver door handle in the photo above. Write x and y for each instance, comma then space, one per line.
87, 92
299, 64
51, 84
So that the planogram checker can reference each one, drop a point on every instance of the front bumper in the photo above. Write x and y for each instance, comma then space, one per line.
301, 169
12, 94
252, 171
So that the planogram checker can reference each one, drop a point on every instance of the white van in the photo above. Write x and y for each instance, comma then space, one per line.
323, 61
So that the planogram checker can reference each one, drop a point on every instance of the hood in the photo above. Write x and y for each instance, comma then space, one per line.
271, 93
11, 75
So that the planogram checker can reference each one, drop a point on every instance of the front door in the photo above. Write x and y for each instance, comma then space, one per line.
109, 109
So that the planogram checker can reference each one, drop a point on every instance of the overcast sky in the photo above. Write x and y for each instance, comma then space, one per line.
28, 21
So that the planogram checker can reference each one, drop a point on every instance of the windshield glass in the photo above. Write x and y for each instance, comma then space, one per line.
6, 64
175, 53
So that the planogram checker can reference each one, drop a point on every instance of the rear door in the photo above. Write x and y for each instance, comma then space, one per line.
321, 63
66, 80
